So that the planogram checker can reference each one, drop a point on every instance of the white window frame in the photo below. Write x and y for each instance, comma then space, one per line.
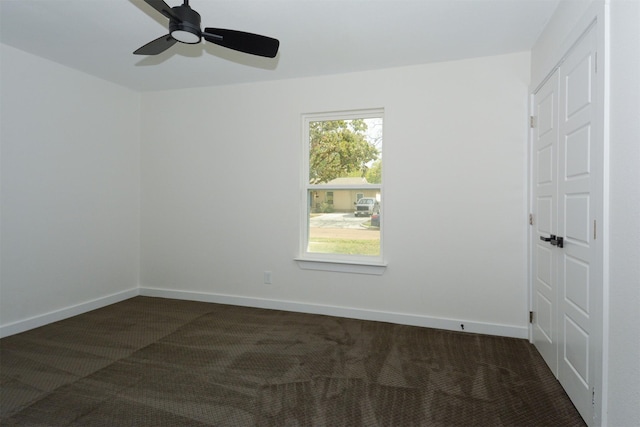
362, 264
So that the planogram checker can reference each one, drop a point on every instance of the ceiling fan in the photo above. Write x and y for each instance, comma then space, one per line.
184, 27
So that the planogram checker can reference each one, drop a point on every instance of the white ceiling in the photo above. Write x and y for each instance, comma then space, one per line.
316, 36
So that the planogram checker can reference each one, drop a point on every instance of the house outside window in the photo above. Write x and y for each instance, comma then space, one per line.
342, 166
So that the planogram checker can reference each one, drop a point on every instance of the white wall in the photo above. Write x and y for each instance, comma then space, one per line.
624, 279
70, 190
221, 194
622, 286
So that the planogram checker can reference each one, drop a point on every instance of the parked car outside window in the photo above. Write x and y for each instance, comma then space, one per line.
366, 206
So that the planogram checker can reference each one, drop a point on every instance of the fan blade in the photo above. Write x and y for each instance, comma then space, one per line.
163, 8
156, 46
244, 42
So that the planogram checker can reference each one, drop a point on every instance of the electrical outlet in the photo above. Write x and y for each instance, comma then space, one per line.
267, 277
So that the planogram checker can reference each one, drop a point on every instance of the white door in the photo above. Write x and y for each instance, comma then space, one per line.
567, 255
580, 184
545, 212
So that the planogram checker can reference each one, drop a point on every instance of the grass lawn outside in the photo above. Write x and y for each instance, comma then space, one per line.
344, 246
346, 241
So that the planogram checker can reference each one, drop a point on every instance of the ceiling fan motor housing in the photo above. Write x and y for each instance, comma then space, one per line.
187, 31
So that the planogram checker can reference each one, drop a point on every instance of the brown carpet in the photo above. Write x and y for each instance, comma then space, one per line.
160, 362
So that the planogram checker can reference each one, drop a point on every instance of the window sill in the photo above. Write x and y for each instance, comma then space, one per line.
357, 267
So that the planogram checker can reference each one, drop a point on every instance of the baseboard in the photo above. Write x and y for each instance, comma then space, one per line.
352, 313
64, 313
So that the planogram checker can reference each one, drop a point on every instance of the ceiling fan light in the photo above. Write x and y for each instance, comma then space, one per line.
185, 26
185, 36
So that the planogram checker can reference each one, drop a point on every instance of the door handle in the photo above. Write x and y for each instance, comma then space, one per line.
558, 241
554, 240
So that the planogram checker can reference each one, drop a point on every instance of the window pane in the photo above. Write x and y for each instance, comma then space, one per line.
345, 149
337, 229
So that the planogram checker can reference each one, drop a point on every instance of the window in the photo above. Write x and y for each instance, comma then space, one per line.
343, 191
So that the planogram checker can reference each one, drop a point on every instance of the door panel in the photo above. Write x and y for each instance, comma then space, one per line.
546, 164
578, 83
545, 215
577, 283
545, 321
576, 351
577, 155
577, 208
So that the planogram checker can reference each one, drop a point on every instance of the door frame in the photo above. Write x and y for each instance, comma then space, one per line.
598, 15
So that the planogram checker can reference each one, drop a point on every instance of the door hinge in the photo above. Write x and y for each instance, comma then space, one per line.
531, 317
532, 122
595, 228
530, 219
